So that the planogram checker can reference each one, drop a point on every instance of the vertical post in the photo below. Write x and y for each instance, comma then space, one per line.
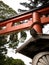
37, 22
8, 26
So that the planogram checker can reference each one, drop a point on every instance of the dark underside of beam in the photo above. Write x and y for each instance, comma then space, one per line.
33, 47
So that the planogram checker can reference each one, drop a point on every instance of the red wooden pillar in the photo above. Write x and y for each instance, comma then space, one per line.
37, 22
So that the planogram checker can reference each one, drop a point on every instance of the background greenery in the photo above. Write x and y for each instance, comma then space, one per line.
5, 13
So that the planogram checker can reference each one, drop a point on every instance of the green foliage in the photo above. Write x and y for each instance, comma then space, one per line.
6, 12
13, 40
2, 59
8, 61
11, 61
33, 4
17, 62
3, 41
23, 36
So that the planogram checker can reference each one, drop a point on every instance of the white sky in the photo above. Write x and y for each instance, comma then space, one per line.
15, 5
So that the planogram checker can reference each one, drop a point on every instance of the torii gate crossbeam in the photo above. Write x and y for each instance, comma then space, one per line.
36, 19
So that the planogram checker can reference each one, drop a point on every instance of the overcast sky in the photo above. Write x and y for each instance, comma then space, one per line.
15, 3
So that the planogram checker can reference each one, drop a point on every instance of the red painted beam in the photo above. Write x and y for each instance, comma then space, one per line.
44, 20
24, 17
27, 25
44, 11
18, 19
10, 28
16, 28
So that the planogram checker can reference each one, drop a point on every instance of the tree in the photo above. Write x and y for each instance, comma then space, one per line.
17, 62
33, 4
2, 59
5, 13
11, 61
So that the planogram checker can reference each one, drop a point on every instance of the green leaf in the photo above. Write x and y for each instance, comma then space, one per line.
23, 36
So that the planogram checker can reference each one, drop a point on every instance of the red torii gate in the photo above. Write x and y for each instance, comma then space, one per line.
36, 22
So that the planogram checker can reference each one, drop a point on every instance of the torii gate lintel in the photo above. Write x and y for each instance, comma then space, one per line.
35, 23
